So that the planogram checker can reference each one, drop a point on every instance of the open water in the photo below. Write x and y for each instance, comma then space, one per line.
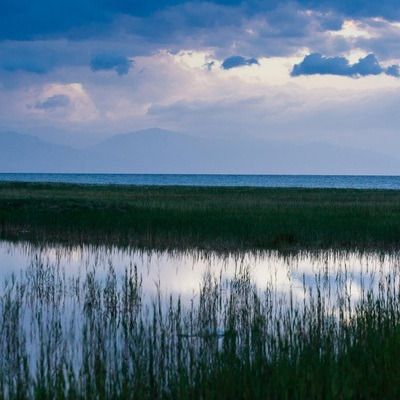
181, 273
301, 181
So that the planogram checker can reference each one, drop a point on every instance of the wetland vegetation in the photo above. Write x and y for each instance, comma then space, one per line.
97, 333
226, 219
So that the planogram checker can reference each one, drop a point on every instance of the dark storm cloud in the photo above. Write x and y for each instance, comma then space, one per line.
367, 66
316, 64
27, 65
111, 62
27, 59
393, 70
388, 9
257, 27
77, 19
56, 101
28, 20
189, 25
330, 21
238, 61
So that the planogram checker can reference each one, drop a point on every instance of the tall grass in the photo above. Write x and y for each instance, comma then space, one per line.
92, 337
198, 217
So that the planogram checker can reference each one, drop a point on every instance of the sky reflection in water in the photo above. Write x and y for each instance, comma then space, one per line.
181, 273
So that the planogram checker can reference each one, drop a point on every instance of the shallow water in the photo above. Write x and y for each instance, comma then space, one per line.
181, 273
96, 314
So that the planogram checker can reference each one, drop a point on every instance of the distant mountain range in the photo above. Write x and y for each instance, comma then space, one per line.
160, 151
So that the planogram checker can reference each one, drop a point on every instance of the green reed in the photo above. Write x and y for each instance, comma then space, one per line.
197, 217
93, 337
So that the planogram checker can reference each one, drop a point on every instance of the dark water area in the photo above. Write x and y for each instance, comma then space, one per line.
301, 181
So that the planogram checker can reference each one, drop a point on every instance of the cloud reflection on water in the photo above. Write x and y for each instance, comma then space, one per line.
181, 273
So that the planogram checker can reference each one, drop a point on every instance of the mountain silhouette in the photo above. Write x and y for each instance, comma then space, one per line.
160, 151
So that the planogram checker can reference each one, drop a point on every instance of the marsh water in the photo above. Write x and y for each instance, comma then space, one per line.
296, 278
181, 274
101, 315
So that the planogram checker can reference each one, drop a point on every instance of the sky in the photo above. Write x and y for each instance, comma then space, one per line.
78, 71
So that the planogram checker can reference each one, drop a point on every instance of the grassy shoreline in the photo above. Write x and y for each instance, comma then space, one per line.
213, 218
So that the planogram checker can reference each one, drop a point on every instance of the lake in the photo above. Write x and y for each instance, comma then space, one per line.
303, 181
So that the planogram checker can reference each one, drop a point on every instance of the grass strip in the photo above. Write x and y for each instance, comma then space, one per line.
215, 218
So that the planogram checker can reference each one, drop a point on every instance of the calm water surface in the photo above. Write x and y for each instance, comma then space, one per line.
61, 303
182, 273
304, 181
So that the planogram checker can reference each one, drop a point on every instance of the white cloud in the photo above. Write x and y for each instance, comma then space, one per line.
59, 105
352, 29
80, 108
177, 91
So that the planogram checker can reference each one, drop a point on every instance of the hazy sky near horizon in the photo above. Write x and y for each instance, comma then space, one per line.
296, 71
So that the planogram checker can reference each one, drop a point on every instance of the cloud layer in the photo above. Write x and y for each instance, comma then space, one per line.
238, 61
55, 101
219, 67
111, 62
316, 64
78, 19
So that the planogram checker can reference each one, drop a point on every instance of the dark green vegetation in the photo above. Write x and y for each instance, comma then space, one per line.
83, 337
196, 217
